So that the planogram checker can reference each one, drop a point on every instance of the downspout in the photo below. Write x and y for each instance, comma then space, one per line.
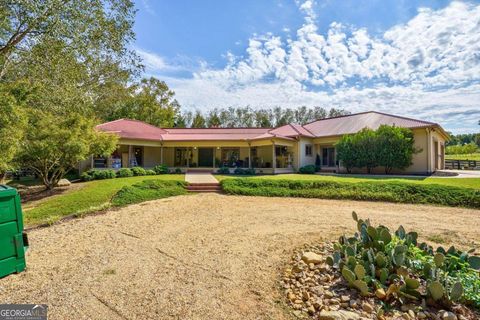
274, 158
429, 162
161, 153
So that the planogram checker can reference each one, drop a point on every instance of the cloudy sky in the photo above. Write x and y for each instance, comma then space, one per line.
412, 58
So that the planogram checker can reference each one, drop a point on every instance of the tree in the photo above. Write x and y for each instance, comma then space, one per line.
388, 146
367, 148
263, 118
347, 152
151, 101
198, 120
396, 147
12, 126
213, 120
96, 30
55, 144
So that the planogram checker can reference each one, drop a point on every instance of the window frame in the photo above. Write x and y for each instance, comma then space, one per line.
308, 154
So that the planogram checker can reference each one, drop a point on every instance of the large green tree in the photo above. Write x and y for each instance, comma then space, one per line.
98, 31
389, 146
151, 101
12, 126
395, 147
53, 145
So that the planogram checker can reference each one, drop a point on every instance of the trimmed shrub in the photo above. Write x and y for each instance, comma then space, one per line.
178, 170
103, 174
148, 190
223, 170
98, 175
124, 173
244, 171
139, 171
239, 171
250, 171
367, 191
150, 172
161, 169
310, 169
86, 176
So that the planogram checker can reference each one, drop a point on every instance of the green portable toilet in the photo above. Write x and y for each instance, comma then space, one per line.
13, 242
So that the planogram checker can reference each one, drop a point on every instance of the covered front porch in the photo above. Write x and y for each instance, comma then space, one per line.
267, 157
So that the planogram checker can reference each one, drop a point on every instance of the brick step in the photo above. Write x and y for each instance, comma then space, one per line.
206, 191
204, 188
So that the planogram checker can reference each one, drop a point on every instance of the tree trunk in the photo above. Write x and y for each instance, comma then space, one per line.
2, 177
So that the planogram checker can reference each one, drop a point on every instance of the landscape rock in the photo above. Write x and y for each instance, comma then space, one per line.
312, 257
63, 183
338, 315
446, 315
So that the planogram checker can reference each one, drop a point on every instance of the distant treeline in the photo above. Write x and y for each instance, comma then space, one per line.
463, 139
249, 117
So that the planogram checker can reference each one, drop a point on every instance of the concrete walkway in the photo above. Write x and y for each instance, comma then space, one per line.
200, 177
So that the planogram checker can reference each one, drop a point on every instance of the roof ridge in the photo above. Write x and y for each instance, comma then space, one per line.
336, 117
403, 117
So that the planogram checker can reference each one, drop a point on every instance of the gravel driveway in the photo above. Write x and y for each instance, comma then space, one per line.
205, 256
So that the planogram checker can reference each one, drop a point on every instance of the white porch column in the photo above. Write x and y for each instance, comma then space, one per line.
214, 156
188, 156
130, 155
249, 156
91, 162
274, 158
161, 154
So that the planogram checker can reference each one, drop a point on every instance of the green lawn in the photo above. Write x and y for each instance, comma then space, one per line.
90, 197
472, 156
456, 182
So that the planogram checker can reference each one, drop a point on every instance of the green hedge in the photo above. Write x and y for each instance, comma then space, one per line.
367, 191
148, 190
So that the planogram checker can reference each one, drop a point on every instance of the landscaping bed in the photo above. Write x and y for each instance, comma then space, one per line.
367, 191
380, 275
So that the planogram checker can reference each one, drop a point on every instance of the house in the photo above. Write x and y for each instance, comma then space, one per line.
269, 150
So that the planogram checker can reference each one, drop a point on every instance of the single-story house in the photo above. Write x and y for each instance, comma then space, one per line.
269, 150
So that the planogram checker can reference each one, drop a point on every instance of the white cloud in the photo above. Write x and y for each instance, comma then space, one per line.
152, 61
428, 67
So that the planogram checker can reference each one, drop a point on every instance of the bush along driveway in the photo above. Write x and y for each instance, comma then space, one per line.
366, 191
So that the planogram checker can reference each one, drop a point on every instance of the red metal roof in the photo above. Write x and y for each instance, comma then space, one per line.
356, 122
134, 129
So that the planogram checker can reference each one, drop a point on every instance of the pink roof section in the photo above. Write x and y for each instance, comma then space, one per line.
134, 129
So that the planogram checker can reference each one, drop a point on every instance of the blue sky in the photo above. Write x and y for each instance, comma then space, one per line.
413, 58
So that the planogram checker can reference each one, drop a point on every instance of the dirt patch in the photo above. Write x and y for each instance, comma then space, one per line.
207, 256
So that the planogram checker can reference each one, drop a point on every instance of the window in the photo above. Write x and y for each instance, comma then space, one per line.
231, 157
308, 150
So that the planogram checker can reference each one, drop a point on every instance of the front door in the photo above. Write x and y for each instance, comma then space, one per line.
205, 157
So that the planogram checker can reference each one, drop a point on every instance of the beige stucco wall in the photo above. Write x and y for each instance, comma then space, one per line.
303, 159
151, 156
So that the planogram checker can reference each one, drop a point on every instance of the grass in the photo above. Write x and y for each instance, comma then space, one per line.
400, 192
472, 156
454, 182
92, 196
148, 190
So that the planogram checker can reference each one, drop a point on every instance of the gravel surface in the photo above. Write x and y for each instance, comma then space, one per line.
205, 256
